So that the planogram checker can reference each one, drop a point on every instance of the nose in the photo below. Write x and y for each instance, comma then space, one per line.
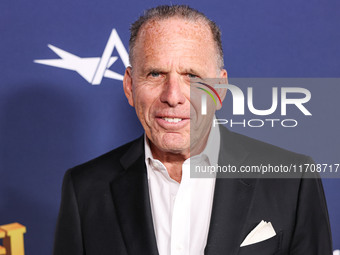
172, 93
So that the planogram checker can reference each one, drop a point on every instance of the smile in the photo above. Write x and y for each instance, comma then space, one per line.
172, 120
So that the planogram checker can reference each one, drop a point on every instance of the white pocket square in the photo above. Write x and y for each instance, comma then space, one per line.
263, 231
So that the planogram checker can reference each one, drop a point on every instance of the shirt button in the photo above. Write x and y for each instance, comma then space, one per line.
179, 247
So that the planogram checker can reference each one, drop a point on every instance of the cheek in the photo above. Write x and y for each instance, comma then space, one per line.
196, 100
201, 122
143, 99
195, 105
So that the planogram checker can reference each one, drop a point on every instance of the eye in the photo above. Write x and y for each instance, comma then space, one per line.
154, 74
190, 75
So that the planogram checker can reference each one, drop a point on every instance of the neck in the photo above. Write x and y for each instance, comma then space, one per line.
174, 161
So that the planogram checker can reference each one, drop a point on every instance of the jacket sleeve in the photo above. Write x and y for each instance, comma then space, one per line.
68, 235
312, 234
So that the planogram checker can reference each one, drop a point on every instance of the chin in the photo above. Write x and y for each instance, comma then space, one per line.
175, 143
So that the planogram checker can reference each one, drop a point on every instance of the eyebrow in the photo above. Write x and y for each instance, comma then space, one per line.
192, 71
189, 70
154, 69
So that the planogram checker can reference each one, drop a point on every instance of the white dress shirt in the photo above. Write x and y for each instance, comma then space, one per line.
181, 211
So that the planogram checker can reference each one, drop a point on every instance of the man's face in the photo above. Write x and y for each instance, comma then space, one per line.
167, 54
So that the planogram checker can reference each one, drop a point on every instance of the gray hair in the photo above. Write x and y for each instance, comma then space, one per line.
163, 12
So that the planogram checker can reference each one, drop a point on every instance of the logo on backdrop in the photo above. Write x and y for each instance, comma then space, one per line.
93, 70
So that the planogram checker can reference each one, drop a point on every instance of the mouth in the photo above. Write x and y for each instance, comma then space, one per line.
172, 120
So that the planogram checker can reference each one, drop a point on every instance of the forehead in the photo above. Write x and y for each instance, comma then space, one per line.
174, 34
176, 25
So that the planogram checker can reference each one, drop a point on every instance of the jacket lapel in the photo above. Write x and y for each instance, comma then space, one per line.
232, 199
132, 202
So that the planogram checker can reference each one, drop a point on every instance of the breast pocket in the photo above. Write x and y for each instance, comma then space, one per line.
267, 247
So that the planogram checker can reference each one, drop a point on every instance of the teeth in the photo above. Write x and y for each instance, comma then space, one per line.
175, 120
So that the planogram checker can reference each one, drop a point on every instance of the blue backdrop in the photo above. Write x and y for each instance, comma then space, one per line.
53, 118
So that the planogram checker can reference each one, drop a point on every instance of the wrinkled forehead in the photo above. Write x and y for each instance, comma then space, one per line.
170, 31
180, 26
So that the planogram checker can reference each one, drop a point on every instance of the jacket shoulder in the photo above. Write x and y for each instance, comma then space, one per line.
104, 167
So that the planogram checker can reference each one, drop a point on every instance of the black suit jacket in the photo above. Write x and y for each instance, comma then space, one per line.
105, 207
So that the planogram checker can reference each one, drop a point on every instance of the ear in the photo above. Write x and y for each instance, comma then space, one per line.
222, 91
127, 85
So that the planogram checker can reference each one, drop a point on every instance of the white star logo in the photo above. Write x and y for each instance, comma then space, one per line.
91, 69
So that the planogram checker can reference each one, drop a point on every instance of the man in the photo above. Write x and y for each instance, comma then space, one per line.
140, 199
